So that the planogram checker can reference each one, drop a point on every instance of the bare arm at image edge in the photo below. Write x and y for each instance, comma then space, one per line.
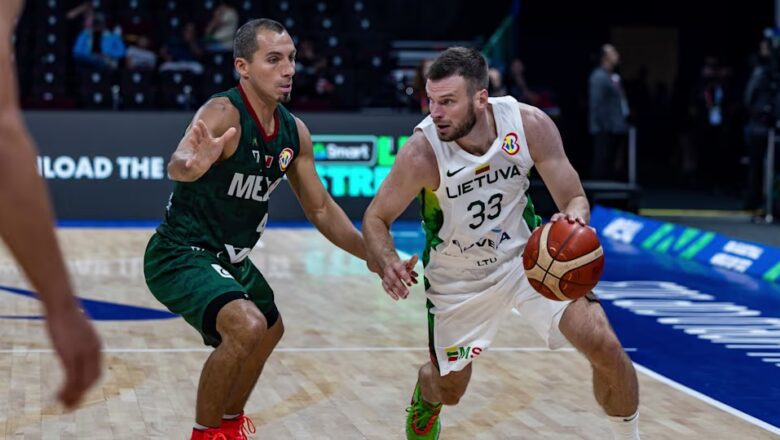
26, 226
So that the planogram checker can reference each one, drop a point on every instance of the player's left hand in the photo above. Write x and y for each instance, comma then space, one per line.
398, 276
568, 217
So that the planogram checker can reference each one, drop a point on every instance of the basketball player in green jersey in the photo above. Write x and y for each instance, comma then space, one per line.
239, 146
469, 162
26, 227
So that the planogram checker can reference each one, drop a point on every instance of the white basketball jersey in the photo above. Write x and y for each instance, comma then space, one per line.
480, 215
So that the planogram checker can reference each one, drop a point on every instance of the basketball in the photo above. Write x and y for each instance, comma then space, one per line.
563, 261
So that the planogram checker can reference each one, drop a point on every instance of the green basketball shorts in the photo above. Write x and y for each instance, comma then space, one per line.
196, 284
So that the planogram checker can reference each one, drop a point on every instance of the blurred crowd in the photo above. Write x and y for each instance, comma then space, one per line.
710, 134
715, 137
138, 54
133, 46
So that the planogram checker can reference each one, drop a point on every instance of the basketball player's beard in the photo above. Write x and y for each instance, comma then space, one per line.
285, 98
464, 128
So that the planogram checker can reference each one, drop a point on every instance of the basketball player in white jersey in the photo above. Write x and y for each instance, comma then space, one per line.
26, 226
469, 163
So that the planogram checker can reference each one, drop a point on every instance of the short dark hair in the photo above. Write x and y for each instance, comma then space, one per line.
463, 61
245, 41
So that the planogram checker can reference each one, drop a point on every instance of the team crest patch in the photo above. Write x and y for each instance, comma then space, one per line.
511, 144
285, 157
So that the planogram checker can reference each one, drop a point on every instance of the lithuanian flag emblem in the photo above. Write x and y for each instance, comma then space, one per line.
452, 354
484, 168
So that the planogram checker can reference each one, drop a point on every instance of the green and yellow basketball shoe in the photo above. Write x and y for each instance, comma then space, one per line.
422, 418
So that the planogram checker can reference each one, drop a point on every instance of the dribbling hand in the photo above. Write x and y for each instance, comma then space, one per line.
569, 218
398, 276
206, 149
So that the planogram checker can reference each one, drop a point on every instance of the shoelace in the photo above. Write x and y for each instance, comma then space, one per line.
247, 426
414, 409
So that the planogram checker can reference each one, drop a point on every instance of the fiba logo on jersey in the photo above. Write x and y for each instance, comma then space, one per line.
511, 145
285, 157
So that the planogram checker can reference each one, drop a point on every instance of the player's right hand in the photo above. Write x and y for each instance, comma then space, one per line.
78, 348
206, 149
398, 276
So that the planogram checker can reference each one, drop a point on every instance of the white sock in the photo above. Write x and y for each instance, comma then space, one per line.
625, 428
230, 416
200, 427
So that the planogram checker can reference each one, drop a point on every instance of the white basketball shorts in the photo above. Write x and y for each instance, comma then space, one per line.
467, 306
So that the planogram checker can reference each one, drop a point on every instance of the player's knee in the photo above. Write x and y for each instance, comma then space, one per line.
253, 332
245, 331
276, 331
607, 354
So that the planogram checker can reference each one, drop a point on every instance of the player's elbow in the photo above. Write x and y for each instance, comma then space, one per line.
370, 216
317, 216
10, 122
318, 213
13, 135
372, 220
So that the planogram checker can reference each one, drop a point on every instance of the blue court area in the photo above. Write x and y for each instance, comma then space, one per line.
97, 310
715, 331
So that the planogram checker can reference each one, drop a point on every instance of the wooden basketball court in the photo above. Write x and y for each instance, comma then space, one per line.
345, 368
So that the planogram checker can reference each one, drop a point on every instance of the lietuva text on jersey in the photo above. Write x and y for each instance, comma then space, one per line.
507, 173
480, 215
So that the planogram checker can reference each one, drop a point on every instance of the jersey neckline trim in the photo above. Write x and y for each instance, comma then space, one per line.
252, 113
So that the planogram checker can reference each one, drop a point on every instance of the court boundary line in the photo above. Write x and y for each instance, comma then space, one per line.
642, 369
24, 350
707, 399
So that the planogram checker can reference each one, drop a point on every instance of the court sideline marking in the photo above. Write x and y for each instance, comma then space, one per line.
644, 370
706, 399
24, 350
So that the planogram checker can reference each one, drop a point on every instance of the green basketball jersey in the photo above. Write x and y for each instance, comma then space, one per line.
226, 210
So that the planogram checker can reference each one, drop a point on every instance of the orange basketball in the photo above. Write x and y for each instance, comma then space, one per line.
563, 260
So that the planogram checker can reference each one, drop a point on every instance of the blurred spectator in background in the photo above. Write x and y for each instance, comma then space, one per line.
222, 28
518, 88
517, 85
135, 27
182, 52
140, 56
98, 46
608, 112
418, 85
84, 9
707, 159
313, 89
496, 85
760, 102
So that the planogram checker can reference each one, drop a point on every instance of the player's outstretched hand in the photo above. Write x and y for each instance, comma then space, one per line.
398, 276
206, 149
78, 348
